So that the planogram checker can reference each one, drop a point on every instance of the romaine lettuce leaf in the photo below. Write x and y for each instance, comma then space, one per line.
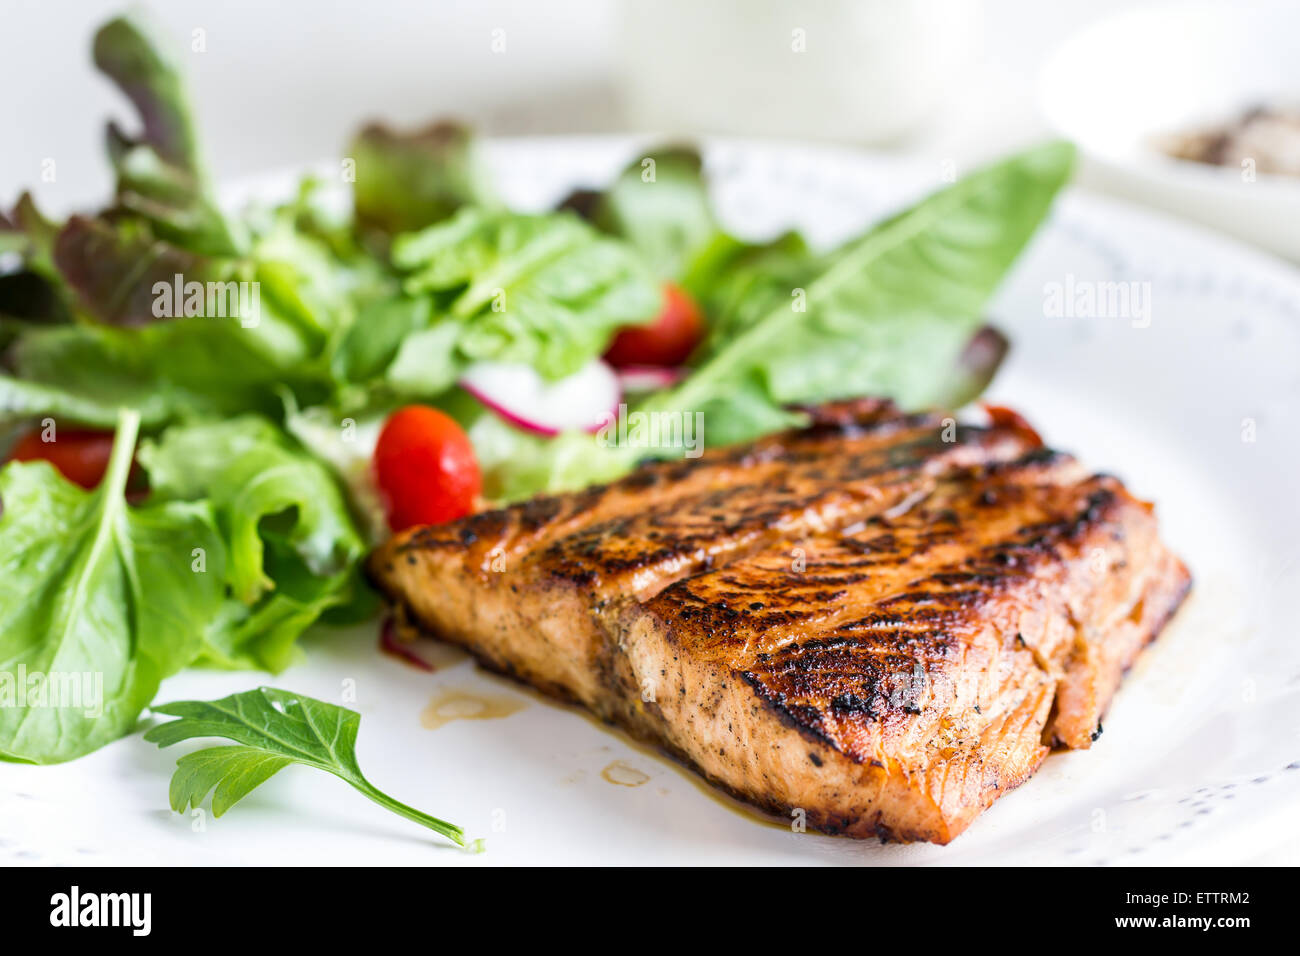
886, 314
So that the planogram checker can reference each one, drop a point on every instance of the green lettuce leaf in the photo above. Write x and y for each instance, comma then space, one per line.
186, 366
294, 548
22, 400
347, 445
160, 175
517, 464
29, 233
372, 342
407, 181
113, 268
545, 290
728, 272
886, 314
99, 601
310, 268
660, 205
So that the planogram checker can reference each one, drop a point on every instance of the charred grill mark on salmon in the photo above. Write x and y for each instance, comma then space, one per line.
924, 617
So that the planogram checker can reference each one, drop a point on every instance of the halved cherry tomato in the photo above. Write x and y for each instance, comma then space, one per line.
668, 340
80, 454
425, 468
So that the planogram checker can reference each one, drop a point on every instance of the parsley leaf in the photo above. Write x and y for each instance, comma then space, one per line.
273, 729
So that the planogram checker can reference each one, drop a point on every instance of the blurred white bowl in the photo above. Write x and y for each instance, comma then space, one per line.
861, 71
1119, 84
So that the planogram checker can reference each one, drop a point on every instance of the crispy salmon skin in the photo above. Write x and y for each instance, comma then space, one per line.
878, 623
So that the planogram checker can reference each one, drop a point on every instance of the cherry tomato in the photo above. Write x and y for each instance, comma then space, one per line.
80, 454
425, 468
668, 340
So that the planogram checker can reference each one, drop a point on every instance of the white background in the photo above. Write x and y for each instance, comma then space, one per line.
287, 82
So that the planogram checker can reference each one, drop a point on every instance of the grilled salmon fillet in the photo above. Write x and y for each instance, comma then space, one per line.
876, 624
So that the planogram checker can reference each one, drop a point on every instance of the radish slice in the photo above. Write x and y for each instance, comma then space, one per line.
585, 400
649, 378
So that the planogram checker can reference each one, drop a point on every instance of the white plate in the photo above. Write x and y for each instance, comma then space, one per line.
1200, 760
1166, 69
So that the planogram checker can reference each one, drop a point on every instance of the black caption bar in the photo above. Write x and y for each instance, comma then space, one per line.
135, 906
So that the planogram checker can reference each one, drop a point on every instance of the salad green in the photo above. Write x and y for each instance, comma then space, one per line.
672, 225
545, 290
255, 415
272, 729
886, 314
292, 546
402, 183
101, 602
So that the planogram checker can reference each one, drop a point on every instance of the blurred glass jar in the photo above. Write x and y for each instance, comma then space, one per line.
853, 70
